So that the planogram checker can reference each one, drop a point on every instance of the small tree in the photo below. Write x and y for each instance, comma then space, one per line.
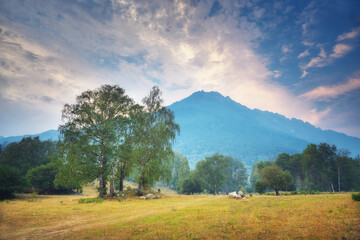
10, 181
275, 178
260, 186
212, 172
191, 184
154, 133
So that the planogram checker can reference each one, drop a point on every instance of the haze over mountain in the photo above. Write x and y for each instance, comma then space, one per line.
211, 123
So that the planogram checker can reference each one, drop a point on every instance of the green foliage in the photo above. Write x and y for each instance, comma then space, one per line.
212, 172
10, 181
27, 154
91, 200
180, 171
320, 167
191, 184
355, 196
92, 132
255, 173
275, 178
260, 186
235, 175
42, 177
154, 133
283, 161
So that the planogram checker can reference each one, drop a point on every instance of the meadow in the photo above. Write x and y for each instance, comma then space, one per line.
325, 216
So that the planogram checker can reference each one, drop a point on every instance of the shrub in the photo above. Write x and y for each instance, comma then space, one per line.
10, 181
260, 186
294, 193
91, 200
355, 196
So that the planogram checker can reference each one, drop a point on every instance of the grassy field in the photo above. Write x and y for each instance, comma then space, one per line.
327, 216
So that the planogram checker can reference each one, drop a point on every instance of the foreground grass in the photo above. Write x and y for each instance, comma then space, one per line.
183, 217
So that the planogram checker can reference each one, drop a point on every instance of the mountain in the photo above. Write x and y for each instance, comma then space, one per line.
48, 135
211, 123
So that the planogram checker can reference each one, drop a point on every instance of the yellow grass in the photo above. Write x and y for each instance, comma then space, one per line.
182, 217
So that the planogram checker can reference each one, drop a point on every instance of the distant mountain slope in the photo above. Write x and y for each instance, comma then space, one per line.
48, 135
213, 123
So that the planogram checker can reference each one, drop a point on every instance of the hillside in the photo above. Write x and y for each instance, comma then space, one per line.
48, 135
213, 123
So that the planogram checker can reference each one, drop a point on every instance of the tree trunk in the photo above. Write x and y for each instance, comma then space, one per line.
121, 180
277, 192
332, 187
141, 186
112, 192
339, 178
102, 183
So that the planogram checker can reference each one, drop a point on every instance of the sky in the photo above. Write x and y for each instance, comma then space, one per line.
300, 59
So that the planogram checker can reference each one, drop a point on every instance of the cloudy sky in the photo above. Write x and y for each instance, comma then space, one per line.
297, 58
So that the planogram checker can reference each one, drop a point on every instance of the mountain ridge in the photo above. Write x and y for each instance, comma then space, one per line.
212, 123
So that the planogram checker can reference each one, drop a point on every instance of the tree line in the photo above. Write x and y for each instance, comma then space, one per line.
214, 174
320, 167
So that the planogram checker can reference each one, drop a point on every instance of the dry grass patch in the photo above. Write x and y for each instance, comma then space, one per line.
184, 217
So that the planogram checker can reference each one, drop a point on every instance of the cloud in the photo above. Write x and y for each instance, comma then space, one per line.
349, 35
340, 50
328, 92
304, 54
277, 74
318, 61
174, 44
285, 49
304, 74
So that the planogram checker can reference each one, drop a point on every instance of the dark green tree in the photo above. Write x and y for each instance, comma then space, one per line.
27, 154
260, 186
10, 181
212, 172
256, 169
283, 161
191, 184
275, 178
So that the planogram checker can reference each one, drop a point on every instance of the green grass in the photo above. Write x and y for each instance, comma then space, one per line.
91, 200
325, 216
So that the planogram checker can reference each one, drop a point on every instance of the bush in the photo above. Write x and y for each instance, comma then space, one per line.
91, 200
355, 196
260, 186
10, 181
294, 193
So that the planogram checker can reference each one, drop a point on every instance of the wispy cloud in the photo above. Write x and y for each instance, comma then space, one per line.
304, 54
340, 50
304, 74
349, 35
285, 49
328, 92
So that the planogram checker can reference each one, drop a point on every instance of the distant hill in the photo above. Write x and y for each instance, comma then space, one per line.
48, 135
211, 123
